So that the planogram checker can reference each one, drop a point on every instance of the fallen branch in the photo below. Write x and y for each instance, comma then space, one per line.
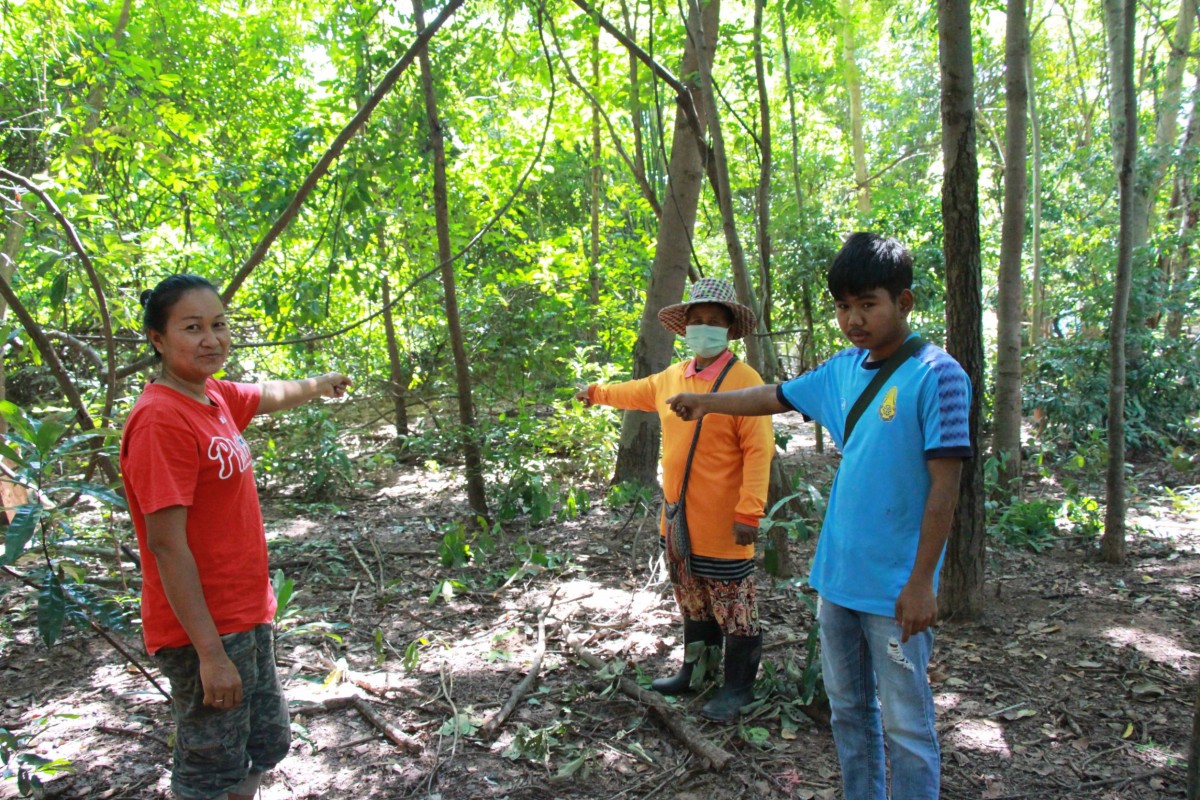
698, 743
392, 733
323, 707
488, 729
368, 683
110, 729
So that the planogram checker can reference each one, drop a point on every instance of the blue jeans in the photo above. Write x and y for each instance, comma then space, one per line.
870, 675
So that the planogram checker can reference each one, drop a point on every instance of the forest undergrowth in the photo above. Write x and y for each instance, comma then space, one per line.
404, 630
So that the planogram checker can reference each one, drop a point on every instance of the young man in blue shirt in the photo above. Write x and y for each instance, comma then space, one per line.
890, 512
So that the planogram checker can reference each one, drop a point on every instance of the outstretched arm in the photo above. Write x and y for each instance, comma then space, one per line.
916, 608
282, 395
757, 401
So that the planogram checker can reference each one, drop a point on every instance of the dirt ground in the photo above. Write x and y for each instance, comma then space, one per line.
1078, 682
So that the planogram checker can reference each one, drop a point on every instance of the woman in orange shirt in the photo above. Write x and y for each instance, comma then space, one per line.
727, 487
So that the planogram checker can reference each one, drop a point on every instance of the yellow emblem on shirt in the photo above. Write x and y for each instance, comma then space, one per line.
887, 410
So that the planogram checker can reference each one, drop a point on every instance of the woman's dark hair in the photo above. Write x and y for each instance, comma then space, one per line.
158, 302
869, 261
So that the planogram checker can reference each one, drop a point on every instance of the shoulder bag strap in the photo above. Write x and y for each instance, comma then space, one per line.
687, 470
889, 367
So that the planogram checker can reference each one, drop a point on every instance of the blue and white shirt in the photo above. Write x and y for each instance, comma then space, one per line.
868, 542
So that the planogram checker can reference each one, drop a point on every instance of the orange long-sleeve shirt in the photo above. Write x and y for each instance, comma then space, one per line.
732, 466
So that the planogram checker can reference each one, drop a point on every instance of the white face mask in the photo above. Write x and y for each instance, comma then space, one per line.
707, 341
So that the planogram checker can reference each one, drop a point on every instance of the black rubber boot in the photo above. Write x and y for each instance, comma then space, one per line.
694, 630
742, 654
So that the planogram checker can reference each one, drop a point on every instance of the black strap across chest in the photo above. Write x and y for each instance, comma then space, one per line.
886, 370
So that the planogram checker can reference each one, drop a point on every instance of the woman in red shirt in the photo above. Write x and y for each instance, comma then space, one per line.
207, 604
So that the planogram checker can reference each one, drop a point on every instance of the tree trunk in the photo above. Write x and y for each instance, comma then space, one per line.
398, 376
635, 113
1037, 290
472, 456
1007, 420
334, 150
1186, 209
637, 455
1120, 14
756, 352
1193, 771
808, 356
594, 237
854, 89
766, 160
14, 234
1159, 158
962, 585
778, 487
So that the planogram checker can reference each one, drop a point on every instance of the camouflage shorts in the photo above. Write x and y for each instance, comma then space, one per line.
216, 750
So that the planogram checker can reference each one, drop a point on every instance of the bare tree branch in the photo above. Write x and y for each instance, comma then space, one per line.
101, 301
682, 95
335, 149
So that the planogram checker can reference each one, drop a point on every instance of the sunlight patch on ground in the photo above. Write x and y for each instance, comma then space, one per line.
1152, 645
1180, 531
292, 529
947, 701
430, 483
599, 602
984, 735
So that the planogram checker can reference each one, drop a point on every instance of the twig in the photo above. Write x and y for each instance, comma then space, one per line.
378, 559
699, 744
682, 94
50, 355
323, 707
128, 657
489, 728
353, 597
132, 732
447, 691
361, 563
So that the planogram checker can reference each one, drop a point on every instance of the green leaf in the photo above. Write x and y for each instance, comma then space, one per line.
85, 602
21, 530
12, 455
100, 492
16, 420
52, 608
58, 289
46, 434
284, 589
569, 769
771, 560
756, 735
67, 445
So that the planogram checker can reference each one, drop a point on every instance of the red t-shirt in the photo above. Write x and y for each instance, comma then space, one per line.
176, 451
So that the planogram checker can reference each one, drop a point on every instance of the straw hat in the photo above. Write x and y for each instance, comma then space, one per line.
709, 290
